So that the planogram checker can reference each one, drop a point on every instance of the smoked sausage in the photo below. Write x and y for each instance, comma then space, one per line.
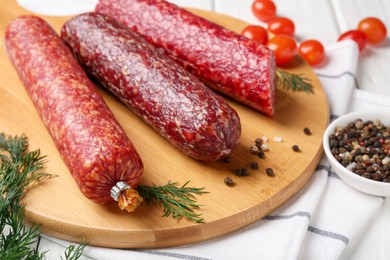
176, 104
95, 148
226, 61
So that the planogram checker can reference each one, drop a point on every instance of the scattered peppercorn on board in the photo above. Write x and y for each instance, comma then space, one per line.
65, 213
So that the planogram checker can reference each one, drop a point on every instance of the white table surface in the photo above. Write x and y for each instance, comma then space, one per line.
323, 20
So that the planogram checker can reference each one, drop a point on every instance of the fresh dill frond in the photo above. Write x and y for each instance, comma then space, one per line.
18, 169
176, 201
294, 82
74, 252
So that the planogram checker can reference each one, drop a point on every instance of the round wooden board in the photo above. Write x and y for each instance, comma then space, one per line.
65, 213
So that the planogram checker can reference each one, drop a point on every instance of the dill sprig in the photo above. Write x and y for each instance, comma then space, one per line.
18, 169
178, 202
294, 82
74, 252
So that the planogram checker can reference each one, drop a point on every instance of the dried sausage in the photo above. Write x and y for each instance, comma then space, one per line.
93, 145
175, 103
224, 60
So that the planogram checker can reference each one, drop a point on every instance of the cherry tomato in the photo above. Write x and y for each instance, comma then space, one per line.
256, 33
312, 51
264, 10
284, 48
281, 25
373, 28
359, 37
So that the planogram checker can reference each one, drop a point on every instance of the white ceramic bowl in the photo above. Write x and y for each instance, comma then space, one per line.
354, 180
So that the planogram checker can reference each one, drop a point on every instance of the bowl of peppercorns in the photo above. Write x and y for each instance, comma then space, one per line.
357, 146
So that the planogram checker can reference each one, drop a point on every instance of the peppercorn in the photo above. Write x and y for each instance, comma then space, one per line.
361, 148
359, 124
295, 148
254, 166
265, 147
270, 172
241, 172
307, 131
254, 149
227, 159
261, 154
228, 181
258, 142
377, 176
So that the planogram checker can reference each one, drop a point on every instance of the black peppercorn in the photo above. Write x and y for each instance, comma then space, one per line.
254, 166
261, 154
241, 172
259, 142
307, 131
270, 172
228, 181
361, 148
295, 148
244, 172
227, 159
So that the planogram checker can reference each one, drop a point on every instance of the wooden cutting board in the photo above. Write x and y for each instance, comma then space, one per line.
65, 213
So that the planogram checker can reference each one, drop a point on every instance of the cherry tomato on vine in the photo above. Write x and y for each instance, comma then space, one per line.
284, 47
256, 33
281, 25
264, 10
359, 37
373, 28
312, 51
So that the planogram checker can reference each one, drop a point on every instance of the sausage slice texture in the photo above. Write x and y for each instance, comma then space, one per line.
226, 61
93, 145
176, 104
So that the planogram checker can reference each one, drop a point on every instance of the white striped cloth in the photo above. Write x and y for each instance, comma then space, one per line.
319, 221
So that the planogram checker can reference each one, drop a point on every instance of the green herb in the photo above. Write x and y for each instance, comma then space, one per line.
18, 169
294, 82
73, 252
178, 202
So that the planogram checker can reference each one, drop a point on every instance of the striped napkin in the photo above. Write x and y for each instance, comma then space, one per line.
319, 222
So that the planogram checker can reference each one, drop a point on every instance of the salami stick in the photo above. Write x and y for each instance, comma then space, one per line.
224, 60
171, 100
95, 148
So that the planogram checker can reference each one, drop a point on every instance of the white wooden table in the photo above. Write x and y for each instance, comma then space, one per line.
323, 20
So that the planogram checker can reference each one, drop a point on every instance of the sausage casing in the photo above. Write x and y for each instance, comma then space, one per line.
91, 142
170, 99
226, 61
